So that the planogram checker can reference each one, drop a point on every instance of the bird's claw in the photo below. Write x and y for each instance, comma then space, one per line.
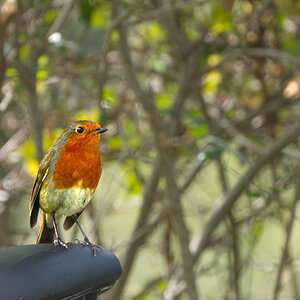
60, 242
87, 242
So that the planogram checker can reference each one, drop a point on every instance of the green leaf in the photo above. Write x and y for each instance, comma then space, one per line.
163, 100
199, 131
221, 19
253, 193
115, 143
51, 15
213, 151
257, 230
11, 72
281, 18
43, 61
288, 202
86, 10
41, 75
195, 123
213, 59
134, 142
151, 31
128, 127
109, 95
27, 150
133, 185
24, 52
252, 236
212, 81
143, 296
162, 286
99, 17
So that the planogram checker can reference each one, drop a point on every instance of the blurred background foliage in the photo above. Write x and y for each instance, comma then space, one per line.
193, 92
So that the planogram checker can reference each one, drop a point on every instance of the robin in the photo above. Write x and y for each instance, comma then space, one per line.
66, 181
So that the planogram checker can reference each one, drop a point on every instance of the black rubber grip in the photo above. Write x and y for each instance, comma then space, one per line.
48, 271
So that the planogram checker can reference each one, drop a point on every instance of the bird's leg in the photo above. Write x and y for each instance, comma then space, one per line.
86, 241
58, 240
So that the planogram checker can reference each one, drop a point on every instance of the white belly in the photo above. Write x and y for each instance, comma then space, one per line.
65, 202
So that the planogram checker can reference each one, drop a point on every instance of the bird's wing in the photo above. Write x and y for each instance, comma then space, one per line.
38, 183
69, 221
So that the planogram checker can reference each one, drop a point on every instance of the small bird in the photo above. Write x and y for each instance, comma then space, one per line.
66, 181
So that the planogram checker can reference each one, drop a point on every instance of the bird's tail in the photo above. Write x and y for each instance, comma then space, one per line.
46, 235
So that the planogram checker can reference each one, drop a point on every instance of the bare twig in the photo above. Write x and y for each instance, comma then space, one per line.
274, 54
7, 11
41, 8
165, 8
167, 165
148, 200
289, 227
192, 175
294, 277
225, 203
28, 76
176, 37
150, 285
62, 17
234, 245
12, 144
27, 72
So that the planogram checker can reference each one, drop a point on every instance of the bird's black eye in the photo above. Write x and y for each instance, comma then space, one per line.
79, 129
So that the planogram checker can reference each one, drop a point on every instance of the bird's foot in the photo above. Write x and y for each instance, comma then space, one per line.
60, 242
87, 242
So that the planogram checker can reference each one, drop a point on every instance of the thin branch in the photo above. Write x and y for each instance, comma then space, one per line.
27, 73
13, 143
234, 245
176, 37
294, 278
274, 54
7, 11
130, 255
148, 286
165, 8
62, 18
226, 202
40, 9
222, 207
284, 254
167, 164
192, 175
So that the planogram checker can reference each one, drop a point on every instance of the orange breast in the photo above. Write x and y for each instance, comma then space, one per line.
78, 165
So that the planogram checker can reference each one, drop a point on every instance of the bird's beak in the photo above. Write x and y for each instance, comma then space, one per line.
99, 130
